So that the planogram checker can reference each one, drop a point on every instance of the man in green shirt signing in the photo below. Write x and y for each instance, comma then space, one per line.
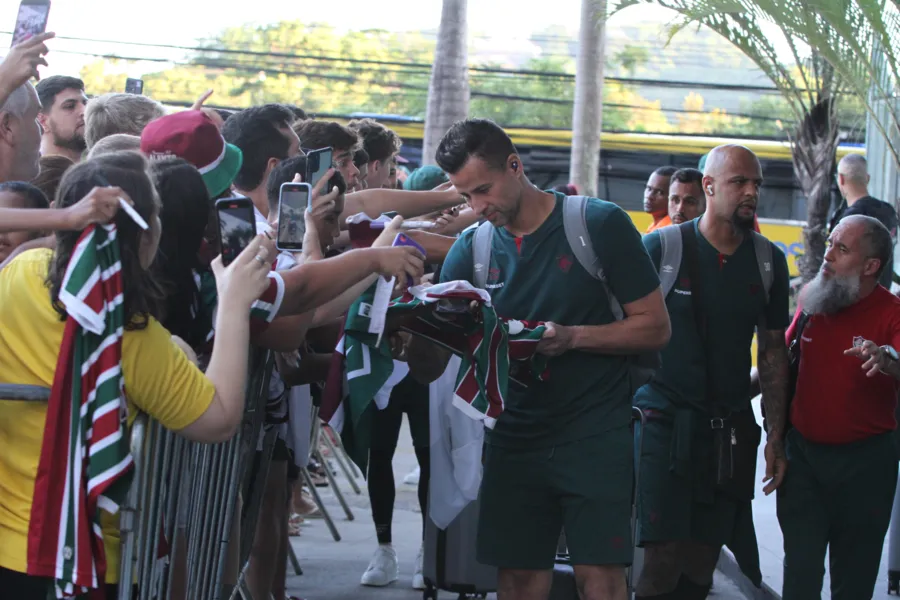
561, 453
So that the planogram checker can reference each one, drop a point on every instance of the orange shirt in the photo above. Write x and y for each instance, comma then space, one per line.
664, 222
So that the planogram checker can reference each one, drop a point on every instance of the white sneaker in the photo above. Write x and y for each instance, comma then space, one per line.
418, 581
412, 478
383, 569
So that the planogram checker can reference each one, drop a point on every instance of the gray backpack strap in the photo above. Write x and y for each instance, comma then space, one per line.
575, 225
670, 258
481, 254
763, 248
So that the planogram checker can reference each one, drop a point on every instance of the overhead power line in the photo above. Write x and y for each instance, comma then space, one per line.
475, 92
423, 66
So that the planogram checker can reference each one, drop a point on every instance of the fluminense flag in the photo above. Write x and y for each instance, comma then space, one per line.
362, 371
85, 461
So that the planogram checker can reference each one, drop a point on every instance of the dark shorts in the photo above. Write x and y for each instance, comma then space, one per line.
670, 507
529, 496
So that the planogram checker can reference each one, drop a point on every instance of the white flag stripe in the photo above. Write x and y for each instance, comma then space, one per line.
110, 473
95, 355
105, 442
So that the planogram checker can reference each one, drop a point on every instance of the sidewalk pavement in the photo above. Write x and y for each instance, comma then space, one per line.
771, 542
331, 570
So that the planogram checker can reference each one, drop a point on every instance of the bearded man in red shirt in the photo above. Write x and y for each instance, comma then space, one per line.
842, 464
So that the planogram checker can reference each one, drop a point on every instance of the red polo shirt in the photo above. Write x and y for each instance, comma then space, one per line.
835, 402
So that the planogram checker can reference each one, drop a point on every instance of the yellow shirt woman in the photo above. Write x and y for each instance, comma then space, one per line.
159, 380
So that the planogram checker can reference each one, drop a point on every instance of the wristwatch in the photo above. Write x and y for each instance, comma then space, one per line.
890, 352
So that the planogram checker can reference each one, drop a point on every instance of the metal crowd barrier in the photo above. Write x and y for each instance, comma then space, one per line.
187, 492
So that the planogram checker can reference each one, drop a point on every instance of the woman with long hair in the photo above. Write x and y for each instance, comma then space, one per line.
83, 320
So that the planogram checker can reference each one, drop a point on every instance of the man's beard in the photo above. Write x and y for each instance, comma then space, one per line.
741, 223
828, 295
76, 142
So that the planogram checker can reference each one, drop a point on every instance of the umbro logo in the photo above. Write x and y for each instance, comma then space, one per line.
668, 269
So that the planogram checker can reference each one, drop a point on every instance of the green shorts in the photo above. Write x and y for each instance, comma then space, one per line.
669, 505
528, 496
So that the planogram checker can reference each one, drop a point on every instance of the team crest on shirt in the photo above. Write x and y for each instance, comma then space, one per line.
565, 263
754, 288
493, 275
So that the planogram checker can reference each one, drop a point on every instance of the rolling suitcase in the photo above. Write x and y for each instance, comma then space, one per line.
564, 587
450, 563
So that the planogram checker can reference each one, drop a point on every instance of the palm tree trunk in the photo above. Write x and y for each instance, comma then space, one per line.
814, 152
448, 90
587, 118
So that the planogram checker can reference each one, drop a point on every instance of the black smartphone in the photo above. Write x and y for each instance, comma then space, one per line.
32, 20
317, 164
293, 200
134, 86
237, 226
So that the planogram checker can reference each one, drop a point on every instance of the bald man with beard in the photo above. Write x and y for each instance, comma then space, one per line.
842, 462
698, 404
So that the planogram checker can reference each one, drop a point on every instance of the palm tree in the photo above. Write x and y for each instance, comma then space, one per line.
812, 88
448, 90
587, 117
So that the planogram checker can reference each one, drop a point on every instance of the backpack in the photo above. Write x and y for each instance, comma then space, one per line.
670, 265
642, 367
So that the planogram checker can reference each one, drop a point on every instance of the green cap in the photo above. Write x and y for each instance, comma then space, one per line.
425, 178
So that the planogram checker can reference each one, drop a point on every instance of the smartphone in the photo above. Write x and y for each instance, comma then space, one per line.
404, 240
32, 20
293, 200
317, 164
134, 86
237, 226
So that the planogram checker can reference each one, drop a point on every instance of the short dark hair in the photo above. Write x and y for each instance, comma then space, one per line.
31, 194
256, 131
687, 176
360, 157
474, 137
665, 171
323, 134
378, 141
53, 167
299, 113
142, 296
48, 88
224, 113
284, 173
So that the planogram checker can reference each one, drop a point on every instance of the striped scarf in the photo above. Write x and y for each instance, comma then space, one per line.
494, 351
85, 462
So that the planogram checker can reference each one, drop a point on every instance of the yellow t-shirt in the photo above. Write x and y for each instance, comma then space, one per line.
159, 380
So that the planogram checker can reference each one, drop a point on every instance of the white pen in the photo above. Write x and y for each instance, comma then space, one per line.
129, 210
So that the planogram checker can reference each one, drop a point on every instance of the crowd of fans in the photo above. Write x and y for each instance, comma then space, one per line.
79, 174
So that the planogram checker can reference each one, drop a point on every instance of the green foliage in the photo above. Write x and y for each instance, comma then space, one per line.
328, 72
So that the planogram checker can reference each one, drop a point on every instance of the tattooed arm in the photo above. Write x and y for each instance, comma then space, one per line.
772, 361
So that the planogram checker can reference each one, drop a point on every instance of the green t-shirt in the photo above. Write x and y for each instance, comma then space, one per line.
733, 300
537, 278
